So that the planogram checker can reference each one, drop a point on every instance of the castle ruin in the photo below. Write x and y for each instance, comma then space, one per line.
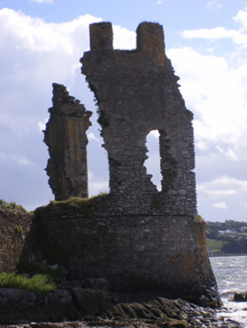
137, 92
136, 237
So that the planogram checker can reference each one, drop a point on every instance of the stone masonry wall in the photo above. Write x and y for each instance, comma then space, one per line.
137, 92
66, 138
14, 227
133, 253
136, 238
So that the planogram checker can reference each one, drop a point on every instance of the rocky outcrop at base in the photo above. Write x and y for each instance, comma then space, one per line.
240, 297
100, 308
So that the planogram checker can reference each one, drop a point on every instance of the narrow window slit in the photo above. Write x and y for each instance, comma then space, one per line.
152, 163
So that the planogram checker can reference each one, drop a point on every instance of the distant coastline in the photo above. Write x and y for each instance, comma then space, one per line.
225, 255
227, 238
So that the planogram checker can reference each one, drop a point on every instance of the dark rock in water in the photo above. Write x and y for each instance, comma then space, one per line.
239, 297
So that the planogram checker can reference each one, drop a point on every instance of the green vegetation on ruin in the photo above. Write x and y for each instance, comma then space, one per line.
198, 218
11, 207
18, 229
39, 284
86, 206
78, 200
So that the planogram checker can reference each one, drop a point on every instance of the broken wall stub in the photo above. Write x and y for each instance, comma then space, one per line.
15, 224
65, 135
137, 92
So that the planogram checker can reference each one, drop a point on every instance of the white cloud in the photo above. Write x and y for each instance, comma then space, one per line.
201, 145
228, 153
217, 96
23, 161
238, 184
155, 134
43, 1
123, 38
222, 187
237, 36
214, 5
220, 193
91, 136
217, 33
215, 193
241, 18
97, 186
38, 36
214, 89
33, 55
42, 124
221, 205
20, 159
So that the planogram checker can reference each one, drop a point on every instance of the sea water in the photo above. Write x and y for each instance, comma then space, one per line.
231, 276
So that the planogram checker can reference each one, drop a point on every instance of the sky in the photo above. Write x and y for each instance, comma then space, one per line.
41, 42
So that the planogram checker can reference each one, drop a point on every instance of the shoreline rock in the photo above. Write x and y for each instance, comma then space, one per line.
239, 297
84, 307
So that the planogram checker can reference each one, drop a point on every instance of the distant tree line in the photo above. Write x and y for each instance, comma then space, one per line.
233, 235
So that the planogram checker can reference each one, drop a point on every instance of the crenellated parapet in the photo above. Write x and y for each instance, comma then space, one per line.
150, 43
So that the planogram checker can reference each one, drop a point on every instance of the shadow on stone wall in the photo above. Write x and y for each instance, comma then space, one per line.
133, 253
15, 223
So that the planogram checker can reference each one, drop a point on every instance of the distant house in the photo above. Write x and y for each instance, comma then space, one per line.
228, 232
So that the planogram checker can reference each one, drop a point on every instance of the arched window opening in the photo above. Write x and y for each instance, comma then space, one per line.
152, 163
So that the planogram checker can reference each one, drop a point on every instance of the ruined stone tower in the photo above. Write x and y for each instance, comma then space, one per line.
65, 135
137, 92
137, 238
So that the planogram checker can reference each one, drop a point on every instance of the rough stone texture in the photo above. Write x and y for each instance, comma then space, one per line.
14, 226
136, 238
16, 298
97, 308
133, 253
137, 92
66, 138
16, 304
